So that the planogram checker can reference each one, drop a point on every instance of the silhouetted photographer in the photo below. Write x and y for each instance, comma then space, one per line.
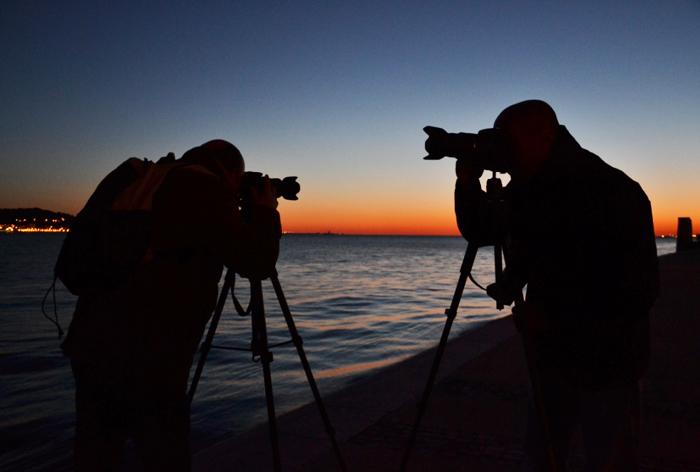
579, 234
145, 257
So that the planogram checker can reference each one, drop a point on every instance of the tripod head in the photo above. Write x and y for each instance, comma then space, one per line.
496, 227
498, 209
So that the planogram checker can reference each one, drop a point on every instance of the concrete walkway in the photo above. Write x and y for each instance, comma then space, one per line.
477, 412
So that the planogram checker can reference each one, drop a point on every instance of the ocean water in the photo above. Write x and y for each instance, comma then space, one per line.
359, 302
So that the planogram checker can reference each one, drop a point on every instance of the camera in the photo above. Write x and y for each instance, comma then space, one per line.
287, 188
490, 148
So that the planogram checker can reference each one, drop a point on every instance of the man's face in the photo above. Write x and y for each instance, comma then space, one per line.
521, 159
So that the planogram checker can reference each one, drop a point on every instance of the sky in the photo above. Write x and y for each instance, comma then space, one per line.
337, 93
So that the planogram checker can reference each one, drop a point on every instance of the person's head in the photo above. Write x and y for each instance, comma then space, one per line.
532, 127
220, 157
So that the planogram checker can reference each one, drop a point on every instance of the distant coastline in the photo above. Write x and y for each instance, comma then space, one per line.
33, 220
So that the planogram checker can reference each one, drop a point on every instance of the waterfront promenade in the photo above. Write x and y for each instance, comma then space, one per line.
478, 409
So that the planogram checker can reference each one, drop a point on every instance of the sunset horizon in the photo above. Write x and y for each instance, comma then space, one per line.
339, 96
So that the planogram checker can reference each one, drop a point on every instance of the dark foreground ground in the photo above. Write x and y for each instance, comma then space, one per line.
477, 413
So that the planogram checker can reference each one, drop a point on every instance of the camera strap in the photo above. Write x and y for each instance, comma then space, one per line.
237, 305
54, 320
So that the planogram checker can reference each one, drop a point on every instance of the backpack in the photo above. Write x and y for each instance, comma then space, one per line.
110, 236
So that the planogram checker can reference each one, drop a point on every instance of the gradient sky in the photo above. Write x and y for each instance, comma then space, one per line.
337, 94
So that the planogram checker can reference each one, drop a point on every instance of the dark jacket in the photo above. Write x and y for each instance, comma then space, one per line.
582, 239
150, 327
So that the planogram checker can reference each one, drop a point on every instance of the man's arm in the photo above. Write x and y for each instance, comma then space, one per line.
194, 210
471, 206
633, 230
253, 245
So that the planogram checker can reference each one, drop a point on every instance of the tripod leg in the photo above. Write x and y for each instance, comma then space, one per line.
259, 348
229, 280
451, 313
538, 400
498, 262
298, 343
533, 371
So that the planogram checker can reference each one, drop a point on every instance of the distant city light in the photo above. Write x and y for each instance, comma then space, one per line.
52, 225
32, 229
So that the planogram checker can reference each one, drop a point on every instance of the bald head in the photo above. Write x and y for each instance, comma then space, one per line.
534, 116
532, 126
215, 154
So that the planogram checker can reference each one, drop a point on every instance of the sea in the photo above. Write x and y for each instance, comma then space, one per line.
361, 303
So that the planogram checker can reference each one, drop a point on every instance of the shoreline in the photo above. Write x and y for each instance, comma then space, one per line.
351, 409
477, 411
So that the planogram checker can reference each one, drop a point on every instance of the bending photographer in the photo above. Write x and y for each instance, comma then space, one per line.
580, 236
132, 340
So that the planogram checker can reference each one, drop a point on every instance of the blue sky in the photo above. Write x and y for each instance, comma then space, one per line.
337, 92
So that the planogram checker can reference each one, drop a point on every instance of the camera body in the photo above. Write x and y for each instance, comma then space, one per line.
489, 149
287, 188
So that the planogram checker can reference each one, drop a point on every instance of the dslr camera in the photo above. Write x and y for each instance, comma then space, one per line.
287, 188
489, 149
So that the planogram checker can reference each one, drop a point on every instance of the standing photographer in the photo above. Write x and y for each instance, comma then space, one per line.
132, 343
581, 238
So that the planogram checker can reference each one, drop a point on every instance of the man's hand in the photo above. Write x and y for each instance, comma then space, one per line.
467, 170
264, 196
500, 293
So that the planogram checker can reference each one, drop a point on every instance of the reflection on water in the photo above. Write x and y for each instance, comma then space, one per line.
358, 367
360, 303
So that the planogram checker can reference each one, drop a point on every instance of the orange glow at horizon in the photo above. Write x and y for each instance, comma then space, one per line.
437, 221
669, 225
680, 201
308, 217
368, 218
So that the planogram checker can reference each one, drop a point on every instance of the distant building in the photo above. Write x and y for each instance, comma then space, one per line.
686, 238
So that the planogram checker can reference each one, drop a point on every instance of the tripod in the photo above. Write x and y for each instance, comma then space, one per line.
260, 349
494, 194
